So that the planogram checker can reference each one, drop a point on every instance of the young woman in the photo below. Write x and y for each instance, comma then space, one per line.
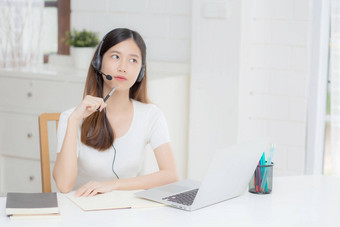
101, 144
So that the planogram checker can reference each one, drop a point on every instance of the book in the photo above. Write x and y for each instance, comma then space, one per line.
34, 216
112, 200
32, 205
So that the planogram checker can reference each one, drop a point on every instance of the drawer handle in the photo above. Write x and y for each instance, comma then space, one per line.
29, 135
29, 94
31, 178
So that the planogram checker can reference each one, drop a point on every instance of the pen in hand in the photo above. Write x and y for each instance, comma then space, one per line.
109, 95
111, 92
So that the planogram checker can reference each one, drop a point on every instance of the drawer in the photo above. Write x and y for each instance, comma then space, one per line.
22, 175
38, 96
19, 136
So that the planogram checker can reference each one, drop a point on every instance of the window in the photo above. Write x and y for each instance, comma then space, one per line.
56, 23
50, 27
332, 139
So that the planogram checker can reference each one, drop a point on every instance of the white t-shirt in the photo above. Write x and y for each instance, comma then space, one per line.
148, 126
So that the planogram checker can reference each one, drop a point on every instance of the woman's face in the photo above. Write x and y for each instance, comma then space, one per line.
123, 62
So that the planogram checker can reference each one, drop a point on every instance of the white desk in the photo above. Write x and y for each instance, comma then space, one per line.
295, 201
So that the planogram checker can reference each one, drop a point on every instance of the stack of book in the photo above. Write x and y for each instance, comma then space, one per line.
32, 205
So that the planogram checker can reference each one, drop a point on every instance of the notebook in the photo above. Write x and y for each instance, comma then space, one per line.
227, 177
112, 200
32, 205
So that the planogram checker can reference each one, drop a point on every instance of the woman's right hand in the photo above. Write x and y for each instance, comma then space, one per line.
88, 106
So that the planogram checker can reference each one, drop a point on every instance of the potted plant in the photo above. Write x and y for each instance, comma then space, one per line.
83, 45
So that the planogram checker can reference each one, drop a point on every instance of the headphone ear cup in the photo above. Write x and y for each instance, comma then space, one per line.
141, 74
97, 61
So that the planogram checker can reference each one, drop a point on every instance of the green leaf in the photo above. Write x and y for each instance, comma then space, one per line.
82, 38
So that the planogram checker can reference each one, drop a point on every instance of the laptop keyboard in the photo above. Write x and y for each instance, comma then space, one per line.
185, 198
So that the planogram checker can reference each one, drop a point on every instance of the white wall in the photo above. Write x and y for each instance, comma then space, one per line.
214, 80
164, 24
274, 78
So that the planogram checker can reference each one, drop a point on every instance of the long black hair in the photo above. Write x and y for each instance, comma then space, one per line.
96, 130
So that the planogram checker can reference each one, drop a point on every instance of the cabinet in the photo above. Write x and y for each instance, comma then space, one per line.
25, 95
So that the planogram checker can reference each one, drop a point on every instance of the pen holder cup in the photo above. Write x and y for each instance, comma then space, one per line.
262, 179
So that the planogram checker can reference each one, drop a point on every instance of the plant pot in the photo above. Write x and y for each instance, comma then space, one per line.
82, 56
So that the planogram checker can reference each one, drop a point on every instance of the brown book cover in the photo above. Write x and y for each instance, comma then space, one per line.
32, 204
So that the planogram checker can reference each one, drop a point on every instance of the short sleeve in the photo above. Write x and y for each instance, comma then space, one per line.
62, 126
158, 128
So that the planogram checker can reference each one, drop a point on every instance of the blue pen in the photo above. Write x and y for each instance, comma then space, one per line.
264, 181
263, 162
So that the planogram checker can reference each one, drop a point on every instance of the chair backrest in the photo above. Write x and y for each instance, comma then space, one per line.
44, 148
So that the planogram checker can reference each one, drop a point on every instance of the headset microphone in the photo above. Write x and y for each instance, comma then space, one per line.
108, 77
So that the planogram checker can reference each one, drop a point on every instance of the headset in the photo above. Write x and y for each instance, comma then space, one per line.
97, 63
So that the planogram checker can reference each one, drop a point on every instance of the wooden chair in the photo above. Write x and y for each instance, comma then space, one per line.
44, 148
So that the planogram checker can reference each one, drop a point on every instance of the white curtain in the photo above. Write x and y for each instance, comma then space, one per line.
334, 73
20, 28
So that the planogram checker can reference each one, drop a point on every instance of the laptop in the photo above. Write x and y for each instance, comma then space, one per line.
227, 177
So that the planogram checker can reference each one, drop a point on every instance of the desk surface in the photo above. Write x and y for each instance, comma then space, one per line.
295, 201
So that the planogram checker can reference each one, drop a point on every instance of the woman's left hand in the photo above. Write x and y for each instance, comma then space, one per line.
93, 187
